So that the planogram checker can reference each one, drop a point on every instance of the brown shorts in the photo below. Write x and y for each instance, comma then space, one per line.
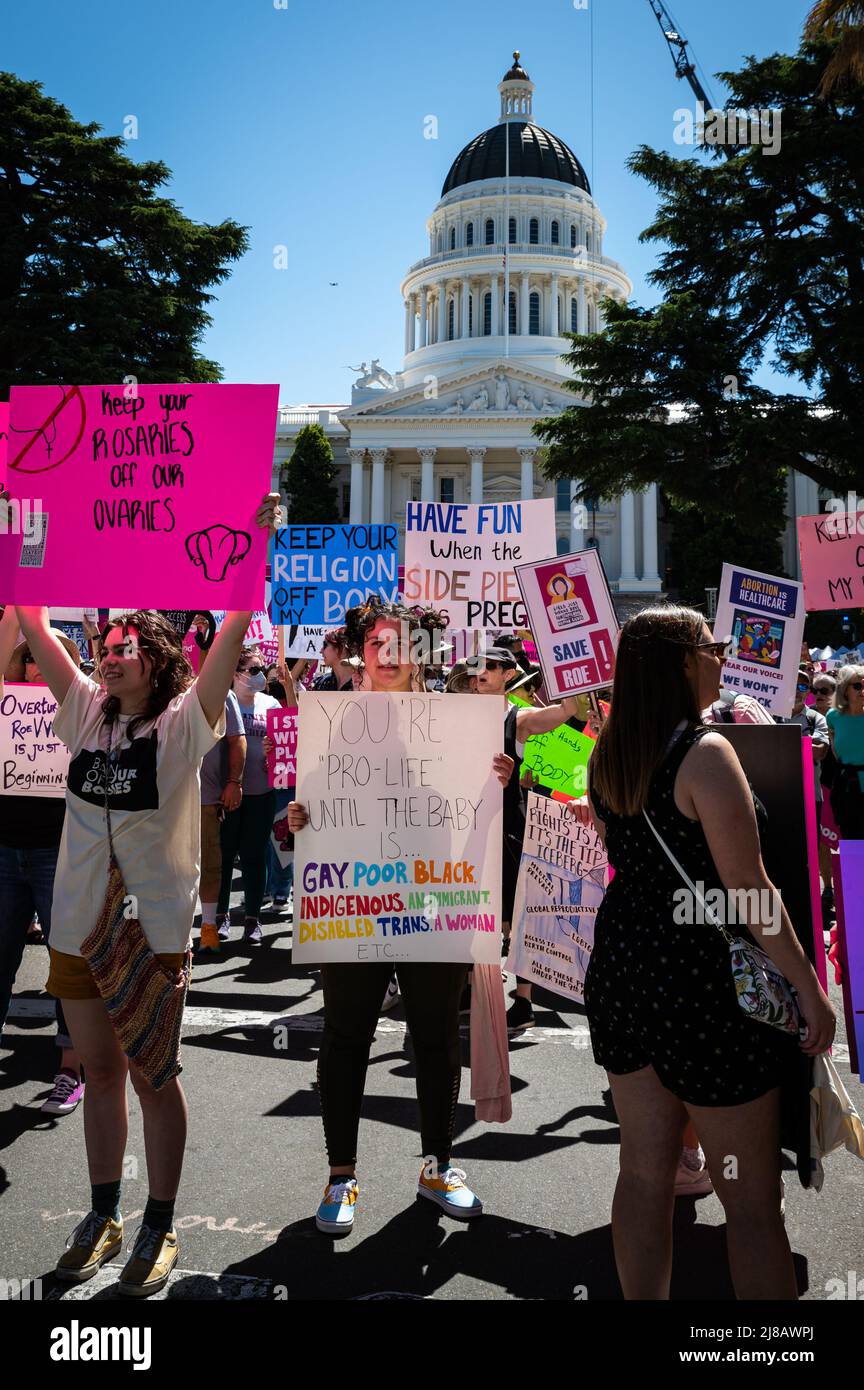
211, 855
69, 976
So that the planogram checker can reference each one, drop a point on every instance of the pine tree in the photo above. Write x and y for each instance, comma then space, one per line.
100, 276
309, 479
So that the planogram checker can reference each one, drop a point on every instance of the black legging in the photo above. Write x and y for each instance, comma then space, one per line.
353, 995
246, 832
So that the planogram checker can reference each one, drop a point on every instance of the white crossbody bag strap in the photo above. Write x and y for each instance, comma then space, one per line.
709, 912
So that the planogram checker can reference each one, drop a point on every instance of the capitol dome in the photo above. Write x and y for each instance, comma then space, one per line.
535, 153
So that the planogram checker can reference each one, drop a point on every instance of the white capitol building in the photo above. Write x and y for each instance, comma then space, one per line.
515, 259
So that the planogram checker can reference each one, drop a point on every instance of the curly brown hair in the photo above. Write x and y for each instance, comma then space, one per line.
159, 640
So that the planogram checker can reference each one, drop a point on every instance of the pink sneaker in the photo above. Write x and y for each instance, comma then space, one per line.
64, 1098
692, 1178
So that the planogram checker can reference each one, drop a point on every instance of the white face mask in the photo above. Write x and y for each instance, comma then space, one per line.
255, 685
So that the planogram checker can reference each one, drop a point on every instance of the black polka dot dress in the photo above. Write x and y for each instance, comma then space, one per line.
661, 994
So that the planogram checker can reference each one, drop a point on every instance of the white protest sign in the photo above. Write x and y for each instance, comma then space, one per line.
460, 558
765, 616
304, 641
401, 858
32, 761
573, 621
562, 880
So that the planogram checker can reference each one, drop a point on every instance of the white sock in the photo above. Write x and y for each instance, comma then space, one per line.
208, 914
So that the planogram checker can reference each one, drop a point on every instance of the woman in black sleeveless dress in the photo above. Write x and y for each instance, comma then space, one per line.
661, 1003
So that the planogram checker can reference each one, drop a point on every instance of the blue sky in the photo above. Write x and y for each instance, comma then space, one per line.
305, 123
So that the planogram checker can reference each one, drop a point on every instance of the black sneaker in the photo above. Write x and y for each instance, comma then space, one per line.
520, 1016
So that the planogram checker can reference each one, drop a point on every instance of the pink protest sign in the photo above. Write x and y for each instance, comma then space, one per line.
573, 621
139, 496
832, 559
282, 758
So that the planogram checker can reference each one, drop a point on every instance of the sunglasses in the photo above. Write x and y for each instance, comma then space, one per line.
802, 688
856, 685
821, 690
723, 650
251, 670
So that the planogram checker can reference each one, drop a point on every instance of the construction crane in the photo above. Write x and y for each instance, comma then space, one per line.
684, 65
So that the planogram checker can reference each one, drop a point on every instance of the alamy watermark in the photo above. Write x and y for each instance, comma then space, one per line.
761, 127
728, 907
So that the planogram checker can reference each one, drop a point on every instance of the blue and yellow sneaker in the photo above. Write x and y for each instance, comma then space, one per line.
335, 1215
448, 1189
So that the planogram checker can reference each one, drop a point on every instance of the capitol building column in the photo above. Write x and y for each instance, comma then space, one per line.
424, 310
427, 474
650, 575
581, 309
627, 514
527, 457
495, 325
477, 455
378, 458
442, 311
355, 515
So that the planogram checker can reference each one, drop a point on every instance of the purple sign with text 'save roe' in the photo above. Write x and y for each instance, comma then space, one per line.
139, 496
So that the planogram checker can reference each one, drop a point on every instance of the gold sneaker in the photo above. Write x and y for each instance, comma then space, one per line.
94, 1240
149, 1267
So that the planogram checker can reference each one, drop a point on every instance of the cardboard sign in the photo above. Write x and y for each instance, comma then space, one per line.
32, 761
460, 558
562, 880
572, 617
849, 889
772, 757
765, 616
316, 572
282, 758
401, 858
832, 560
137, 496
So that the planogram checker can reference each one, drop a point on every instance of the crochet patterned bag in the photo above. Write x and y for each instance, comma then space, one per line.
763, 992
143, 997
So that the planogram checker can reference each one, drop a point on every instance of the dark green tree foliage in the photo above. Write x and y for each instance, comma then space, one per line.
309, 479
100, 277
763, 258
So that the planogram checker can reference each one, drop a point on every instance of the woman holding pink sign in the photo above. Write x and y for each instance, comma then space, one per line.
126, 892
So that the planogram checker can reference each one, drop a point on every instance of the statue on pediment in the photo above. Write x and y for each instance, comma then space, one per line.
524, 401
480, 401
502, 392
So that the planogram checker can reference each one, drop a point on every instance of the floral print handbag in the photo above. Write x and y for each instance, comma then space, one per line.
762, 989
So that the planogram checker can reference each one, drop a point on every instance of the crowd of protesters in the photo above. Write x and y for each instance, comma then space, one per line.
171, 767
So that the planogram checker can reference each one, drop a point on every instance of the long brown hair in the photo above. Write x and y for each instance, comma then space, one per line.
171, 674
652, 693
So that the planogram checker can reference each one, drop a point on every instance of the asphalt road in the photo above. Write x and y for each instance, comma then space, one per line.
255, 1164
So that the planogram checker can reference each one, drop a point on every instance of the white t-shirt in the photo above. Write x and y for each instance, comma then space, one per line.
154, 796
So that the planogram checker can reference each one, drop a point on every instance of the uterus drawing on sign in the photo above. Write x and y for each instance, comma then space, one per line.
216, 548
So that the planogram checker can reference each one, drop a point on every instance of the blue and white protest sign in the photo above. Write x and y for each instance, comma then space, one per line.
765, 616
316, 572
